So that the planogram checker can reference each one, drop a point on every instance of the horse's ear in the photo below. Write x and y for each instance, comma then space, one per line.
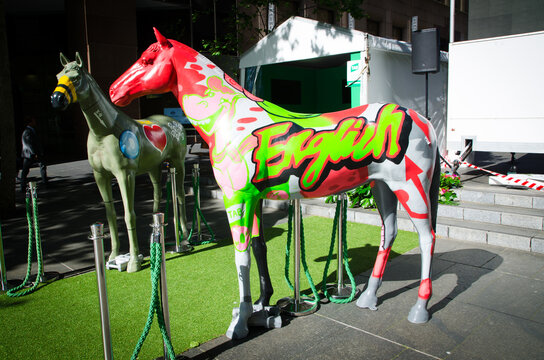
79, 62
160, 38
63, 60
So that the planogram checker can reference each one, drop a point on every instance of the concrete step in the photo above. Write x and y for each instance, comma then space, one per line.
519, 217
494, 223
515, 237
499, 195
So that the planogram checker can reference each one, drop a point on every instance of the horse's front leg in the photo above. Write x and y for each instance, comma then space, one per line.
240, 212
103, 181
258, 245
126, 182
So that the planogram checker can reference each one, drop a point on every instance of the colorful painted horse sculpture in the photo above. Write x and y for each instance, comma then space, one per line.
259, 150
120, 146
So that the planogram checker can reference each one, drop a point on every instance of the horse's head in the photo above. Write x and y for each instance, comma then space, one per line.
71, 82
153, 73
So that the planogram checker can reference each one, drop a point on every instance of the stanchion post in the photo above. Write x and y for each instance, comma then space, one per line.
297, 306
175, 206
158, 234
196, 176
97, 235
3, 275
340, 290
341, 243
296, 224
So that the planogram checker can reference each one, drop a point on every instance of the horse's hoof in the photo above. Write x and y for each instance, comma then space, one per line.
238, 328
134, 265
113, 255
368, 300
264, 299
418, 312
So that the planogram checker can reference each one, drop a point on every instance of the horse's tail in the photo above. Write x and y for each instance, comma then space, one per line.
435, 188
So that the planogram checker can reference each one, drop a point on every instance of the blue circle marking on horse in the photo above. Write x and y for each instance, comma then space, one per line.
129, 144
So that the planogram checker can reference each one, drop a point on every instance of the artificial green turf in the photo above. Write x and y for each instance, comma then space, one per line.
62, 321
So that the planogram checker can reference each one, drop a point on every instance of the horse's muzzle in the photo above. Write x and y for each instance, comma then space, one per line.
59, 101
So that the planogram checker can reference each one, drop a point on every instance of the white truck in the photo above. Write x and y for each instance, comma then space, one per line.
495, 94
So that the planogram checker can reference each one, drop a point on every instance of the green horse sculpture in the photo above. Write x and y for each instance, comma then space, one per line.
121, 147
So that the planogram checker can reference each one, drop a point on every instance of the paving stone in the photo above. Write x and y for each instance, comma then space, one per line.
465, 234
455, 212
537, 245
484, 216
524, 221
476, 196
502, 336
510, 241
514, 200
538, 203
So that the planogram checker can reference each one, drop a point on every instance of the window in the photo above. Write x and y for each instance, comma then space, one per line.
398, 33
373, 27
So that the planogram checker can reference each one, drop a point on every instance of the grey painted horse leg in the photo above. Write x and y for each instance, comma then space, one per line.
258, 245
104, 186
386, 202
126, 185
418, 313
180, 189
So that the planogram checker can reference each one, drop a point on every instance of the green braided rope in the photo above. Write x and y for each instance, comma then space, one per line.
304, 265
196, 181
302, 255
33, 232
345, 257
155, 304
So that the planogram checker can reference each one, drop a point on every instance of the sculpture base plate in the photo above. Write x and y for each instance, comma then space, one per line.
290, 307
339, 292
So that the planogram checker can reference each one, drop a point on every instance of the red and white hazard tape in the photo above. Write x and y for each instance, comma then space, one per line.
522, 182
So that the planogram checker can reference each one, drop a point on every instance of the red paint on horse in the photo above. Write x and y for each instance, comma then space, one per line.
422, 125
403, 197
246, 120
425, 289
381, 261
349, 180
412, 173
155, 134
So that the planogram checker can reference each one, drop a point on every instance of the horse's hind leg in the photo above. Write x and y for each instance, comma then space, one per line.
386, 202
258, 245
418, 313
155, 177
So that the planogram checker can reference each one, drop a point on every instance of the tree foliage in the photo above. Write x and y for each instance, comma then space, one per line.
250, 17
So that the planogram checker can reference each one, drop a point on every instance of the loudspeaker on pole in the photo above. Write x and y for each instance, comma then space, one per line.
426, 51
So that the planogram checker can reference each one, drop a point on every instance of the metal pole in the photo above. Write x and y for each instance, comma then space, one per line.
97, 235
34, 197
158, 231
340, 244
427, 94
452, 21
297, 306
196, 176
176, 208
297, 253
340, 290
3, 274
